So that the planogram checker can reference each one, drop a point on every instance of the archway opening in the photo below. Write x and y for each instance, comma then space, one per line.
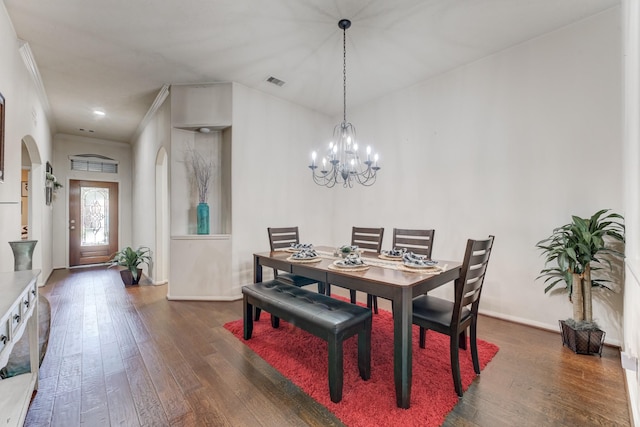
161, 262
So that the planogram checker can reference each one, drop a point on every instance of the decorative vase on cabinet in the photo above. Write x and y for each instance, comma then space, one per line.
23, 254
203, 218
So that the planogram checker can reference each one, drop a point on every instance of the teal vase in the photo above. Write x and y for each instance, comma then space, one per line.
203, 218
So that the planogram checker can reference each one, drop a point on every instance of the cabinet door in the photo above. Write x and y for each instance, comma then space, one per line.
16, 319
4, 333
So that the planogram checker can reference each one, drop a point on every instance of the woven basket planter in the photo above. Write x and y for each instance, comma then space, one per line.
588, 341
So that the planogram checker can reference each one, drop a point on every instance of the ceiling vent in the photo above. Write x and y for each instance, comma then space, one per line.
275, 81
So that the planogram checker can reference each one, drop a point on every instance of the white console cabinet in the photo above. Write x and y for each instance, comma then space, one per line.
18, 312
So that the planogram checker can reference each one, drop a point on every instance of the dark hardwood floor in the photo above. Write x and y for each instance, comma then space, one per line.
129, 357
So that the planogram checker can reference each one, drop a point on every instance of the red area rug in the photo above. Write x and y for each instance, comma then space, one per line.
302, 358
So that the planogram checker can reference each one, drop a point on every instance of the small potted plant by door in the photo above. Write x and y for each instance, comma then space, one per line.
572, 253
132, 260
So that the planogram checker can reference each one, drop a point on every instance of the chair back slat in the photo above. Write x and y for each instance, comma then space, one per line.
282, 238
367, 239
472, 274
417, 241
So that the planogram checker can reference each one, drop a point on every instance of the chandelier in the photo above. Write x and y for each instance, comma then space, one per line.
342, 163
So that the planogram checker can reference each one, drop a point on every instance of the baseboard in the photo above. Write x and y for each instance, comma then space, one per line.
203, 298
539, 325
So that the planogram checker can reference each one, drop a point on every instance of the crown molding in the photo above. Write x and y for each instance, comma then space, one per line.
65, 137
30, 62
157, 103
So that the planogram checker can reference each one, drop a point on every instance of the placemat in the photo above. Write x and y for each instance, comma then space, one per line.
389, 258
359, 268
436, 269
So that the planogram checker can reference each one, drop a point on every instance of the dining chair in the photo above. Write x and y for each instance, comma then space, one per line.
416, 241
453, 318
280, 239
368, 240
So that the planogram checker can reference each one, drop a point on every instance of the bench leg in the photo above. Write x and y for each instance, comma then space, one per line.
335, 369
275, 321
247, 315
257, 315
364, 351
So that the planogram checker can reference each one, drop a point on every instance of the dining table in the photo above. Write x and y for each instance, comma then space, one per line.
383, 277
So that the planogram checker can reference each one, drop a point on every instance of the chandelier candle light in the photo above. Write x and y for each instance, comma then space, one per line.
342, 164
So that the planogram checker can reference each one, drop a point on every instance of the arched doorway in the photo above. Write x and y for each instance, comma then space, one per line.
161, 263
32, 193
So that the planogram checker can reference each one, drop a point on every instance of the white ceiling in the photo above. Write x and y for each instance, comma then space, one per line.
116, 54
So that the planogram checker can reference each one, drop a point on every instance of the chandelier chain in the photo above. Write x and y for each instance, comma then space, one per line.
344, 74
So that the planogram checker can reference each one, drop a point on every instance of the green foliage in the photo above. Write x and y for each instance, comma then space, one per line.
574, 252
573, 247
131, 259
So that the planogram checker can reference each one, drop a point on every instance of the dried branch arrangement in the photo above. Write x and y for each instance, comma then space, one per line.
200, 172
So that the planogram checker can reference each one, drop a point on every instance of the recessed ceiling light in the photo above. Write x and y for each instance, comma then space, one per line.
204, 130
99, 113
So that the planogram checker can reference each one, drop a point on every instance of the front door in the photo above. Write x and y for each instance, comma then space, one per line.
93, 221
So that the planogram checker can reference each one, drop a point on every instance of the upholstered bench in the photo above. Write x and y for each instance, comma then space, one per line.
325, 317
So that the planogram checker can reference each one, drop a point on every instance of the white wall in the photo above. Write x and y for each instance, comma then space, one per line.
631, 348
272, 187
24, 120
511, 145
71, 145
155, 135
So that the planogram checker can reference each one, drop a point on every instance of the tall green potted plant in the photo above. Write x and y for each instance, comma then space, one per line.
132, 261
572, 253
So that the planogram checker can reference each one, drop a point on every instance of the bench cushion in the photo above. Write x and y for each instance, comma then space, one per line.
328, 313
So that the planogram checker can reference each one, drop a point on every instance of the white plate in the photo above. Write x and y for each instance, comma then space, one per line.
420, 267
391, 256
340, 263
301, 258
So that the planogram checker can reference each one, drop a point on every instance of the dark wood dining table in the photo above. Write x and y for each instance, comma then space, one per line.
397, 285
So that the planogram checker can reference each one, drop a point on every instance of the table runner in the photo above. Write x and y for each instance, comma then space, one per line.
392, 265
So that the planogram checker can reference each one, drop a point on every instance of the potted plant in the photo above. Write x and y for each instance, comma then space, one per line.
132, 260
574, 251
